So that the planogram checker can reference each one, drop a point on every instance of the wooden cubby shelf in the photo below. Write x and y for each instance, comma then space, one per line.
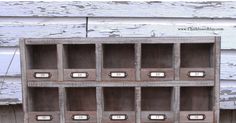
79, 62
121, 80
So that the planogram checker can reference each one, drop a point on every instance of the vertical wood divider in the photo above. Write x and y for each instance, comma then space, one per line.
176, 97
62, 103
99, 61
23, 79
138, 78
138, 104
99, 90
60, 62
176, 104
216, 106
176, 61
138, 61
100, 104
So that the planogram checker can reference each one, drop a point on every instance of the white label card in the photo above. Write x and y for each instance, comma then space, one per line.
80, 117
196, 74
157, 117
79, 75
157, 74
118, 117
118, 74
42, 75
196, 116
43, 118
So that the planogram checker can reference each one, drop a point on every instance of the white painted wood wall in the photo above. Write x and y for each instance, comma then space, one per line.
116, 19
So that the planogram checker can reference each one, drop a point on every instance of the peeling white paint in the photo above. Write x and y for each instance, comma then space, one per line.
120, 9
154, 27
11, 29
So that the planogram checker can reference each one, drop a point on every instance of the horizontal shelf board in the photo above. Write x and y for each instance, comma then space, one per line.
121, 84
118, 40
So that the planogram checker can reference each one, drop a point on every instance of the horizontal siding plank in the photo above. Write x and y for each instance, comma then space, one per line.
11, 29
153, 27
228, 63
228, 95
10, 91
120, 9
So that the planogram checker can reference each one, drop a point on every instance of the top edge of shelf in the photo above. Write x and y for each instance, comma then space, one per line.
118, 40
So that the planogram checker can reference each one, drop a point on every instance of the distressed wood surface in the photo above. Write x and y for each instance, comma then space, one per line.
11, 93
228, 95
120, 9
11, 29
154, 27
228, 63
11, 114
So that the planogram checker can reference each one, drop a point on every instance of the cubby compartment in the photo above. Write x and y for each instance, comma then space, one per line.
197, 61
41, 62
79, 62
157, 62
119, 105
118, 62
81, 105
43, 105
157, 105
196, 104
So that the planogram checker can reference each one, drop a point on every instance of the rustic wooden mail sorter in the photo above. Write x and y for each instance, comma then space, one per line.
121, 80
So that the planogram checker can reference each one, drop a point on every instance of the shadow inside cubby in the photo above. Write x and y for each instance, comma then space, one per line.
197, 55
119, 99
41, 56
118, 55
196, 99
43, 99
157, 56
81, 99
79, 56
156, 98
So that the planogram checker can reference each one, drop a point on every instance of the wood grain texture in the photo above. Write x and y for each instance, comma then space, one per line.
118, 9
11, 114
11, 29
228, 63
11, 93
157, 27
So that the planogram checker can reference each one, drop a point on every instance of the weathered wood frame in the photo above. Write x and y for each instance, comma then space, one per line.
138, 84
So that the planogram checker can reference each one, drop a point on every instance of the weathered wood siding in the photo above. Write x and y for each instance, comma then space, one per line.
116, 19
120, 9
11, 114
227, 116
